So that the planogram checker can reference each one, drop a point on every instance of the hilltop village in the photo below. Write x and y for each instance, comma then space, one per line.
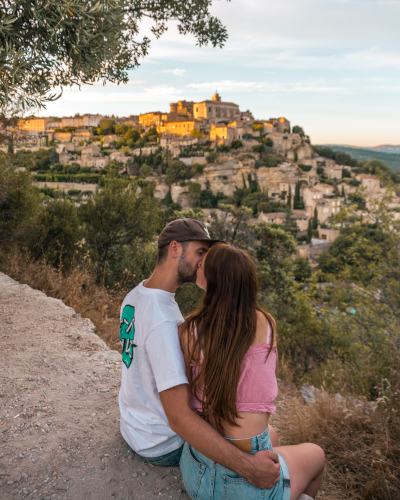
201, 154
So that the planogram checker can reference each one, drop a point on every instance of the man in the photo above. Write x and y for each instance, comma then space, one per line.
154, 397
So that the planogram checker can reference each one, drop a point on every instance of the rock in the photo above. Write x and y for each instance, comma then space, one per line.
303, 496
309, 393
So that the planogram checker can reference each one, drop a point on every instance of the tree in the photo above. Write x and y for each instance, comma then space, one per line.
315, 219
301, 269
132, 135
53, 44
194, 193
298, 130
289, 198
19, 203
114, 217
236, 144
289, 224
176, 172
107, 126
57, 234
309, 231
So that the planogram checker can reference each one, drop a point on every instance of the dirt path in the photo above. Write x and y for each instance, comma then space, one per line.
59, 415
59, 427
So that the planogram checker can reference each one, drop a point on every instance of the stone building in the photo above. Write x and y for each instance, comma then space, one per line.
35, 125
216, 110
281, 125
87, 154
153, 119
180, 127
301, 217
84, 121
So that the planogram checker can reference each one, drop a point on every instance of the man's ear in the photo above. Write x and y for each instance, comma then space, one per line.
174, 249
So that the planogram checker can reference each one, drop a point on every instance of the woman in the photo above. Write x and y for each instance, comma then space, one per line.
229, 345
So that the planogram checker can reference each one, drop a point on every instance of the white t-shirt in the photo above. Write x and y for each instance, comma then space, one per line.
152, 363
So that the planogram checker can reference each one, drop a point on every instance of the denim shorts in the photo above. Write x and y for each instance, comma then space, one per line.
207, 480
170, 459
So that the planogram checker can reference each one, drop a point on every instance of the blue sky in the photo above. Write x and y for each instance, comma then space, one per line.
332, 67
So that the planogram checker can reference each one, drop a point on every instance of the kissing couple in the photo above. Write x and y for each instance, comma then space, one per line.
198, 392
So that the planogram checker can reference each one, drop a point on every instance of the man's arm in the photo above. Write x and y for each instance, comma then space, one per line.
259, 469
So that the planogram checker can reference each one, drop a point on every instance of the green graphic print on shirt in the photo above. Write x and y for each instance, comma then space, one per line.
127, 334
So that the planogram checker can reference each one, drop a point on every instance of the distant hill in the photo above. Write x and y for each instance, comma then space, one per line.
392, 159
386, 148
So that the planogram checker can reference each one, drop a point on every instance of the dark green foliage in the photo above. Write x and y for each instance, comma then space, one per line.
188, 297
211, 157
301, 269
346, 173
269, 161
289, 224
340, 157
298, 130
57, 234
19, 203
47, 45
315, 219
223, 148
236, 144
176, 172
320, 170
194, 193
209, 200
298, 203
254, 200
305, 168
289, 199
309, 231
113, 218
107, 126
342, 254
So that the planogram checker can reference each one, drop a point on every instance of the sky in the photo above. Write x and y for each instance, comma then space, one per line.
330, 66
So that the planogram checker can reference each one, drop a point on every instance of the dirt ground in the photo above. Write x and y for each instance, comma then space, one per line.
59, 415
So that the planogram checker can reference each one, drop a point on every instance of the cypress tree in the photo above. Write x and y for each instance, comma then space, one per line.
315, 219
309, 231
289, 199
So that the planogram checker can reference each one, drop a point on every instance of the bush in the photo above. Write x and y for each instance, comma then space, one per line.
236, 144
197, 168
223, 148
305, 168
211, 157
176, 172
74, 192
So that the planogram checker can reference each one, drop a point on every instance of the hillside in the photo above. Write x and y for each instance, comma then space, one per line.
392, 160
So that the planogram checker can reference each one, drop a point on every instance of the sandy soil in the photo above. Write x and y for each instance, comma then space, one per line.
59, 415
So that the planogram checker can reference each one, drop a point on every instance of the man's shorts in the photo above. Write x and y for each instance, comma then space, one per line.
170, 459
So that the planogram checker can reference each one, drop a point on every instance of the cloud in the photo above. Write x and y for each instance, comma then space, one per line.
241, 86
177, 72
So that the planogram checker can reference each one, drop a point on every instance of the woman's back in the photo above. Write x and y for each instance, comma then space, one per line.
257, 388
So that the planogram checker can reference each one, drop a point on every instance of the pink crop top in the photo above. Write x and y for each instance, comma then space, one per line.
257, 387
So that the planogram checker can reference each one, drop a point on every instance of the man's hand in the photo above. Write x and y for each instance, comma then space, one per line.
259, 469
264, 471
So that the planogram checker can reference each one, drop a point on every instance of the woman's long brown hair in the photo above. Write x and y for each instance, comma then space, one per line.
225, 327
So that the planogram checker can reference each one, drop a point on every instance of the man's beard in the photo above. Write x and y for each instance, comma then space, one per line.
185, 271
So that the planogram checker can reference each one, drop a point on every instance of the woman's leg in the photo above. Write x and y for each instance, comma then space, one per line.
273, 436
306, 464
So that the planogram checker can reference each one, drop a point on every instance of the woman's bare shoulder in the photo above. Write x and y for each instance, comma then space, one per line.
263, 326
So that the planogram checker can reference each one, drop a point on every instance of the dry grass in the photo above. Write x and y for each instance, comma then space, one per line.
77, 290
362, 450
